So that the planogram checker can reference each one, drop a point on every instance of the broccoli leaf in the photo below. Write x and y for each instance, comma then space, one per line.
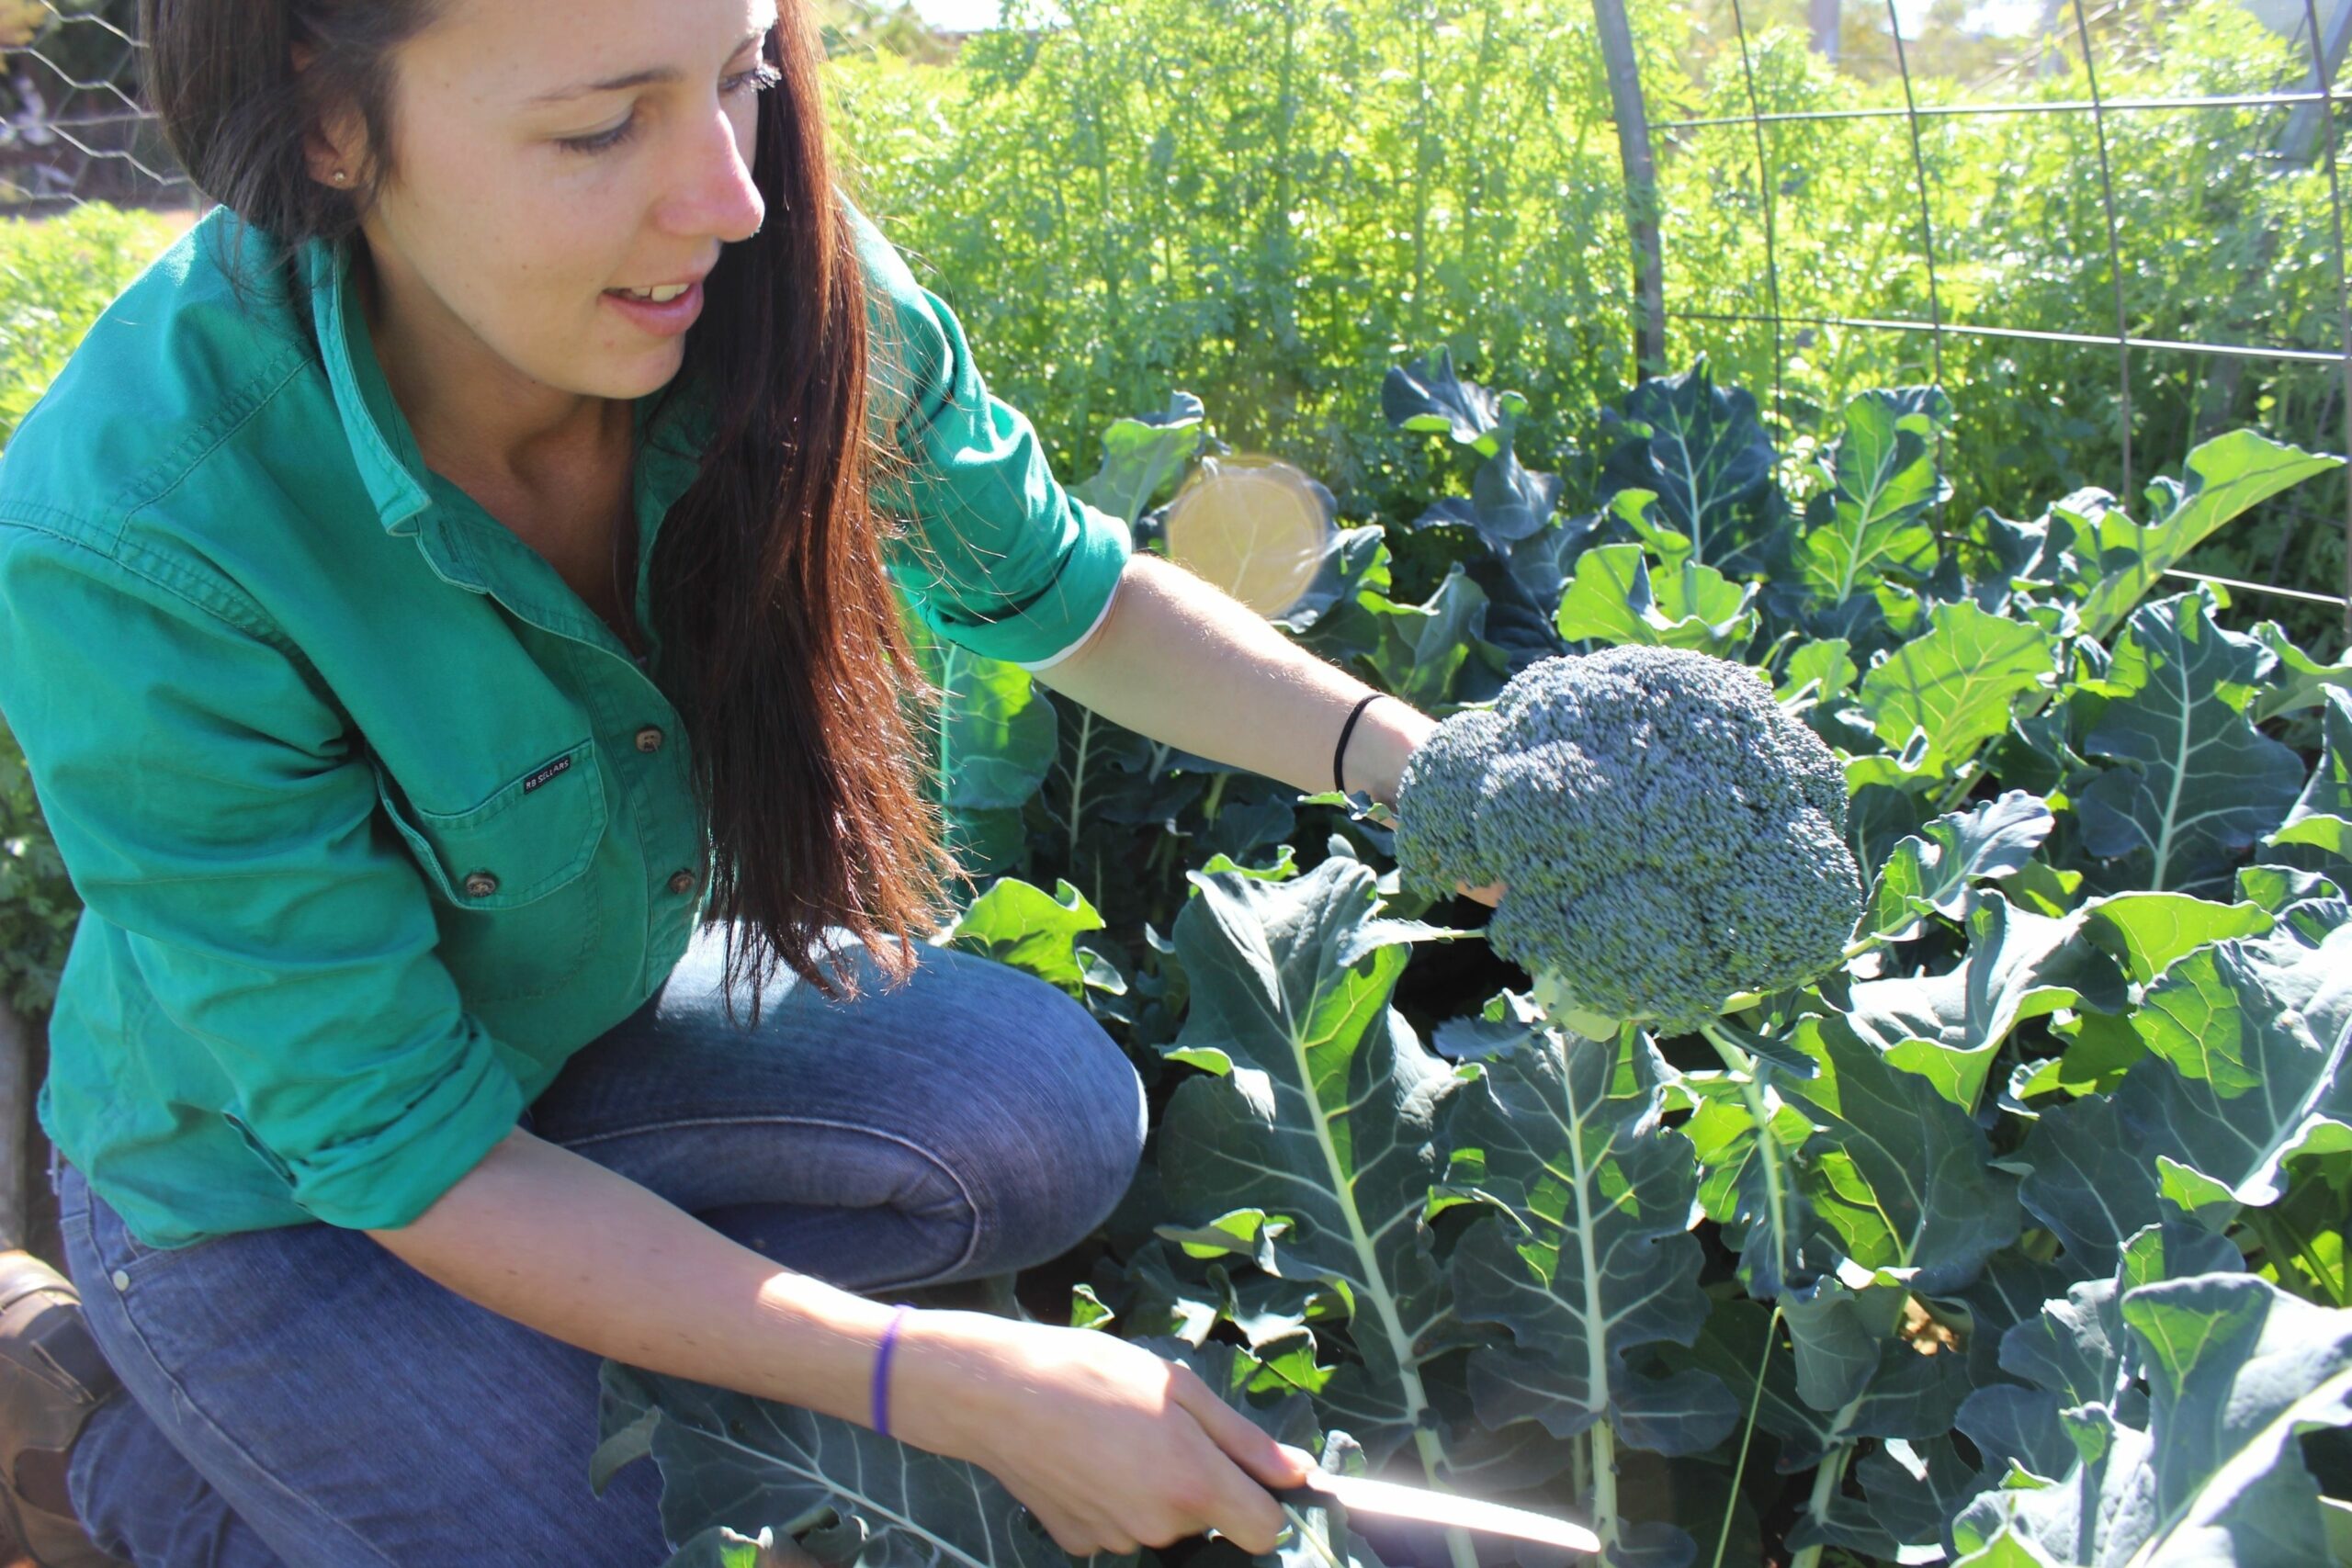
1141, 456
728, 1458
2086, 1179
1422, 648
1425, 395
1895, 1169
1704, 454
2236, 1370
2114, 560
1882, 479
1826, 666
1585, 1260
2317, 833
997, 740
1321, 1106
1615, 598
2248, 1041
1905, 1392
1021, 925
1956, 684
1747, 1177
1512, 501
2076, 1369
1931, 869
1910, 1491
2148, 932
2191, 783
2018, 965
2298, 681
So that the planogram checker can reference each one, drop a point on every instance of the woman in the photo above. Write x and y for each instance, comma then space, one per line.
464, 565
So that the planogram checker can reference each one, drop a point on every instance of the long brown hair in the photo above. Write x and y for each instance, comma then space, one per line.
781, 642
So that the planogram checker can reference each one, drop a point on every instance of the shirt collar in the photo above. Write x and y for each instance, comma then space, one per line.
381, 444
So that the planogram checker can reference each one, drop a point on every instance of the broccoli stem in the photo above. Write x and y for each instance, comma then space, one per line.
1825, 1482
1313, 1536
1597, 1368
1077, 786
1426, 1443
1604, 1486
1459, 1549
1743, 1070
1739, 1465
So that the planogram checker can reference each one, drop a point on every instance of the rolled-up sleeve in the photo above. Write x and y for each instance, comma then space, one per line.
204, 793
1000, 559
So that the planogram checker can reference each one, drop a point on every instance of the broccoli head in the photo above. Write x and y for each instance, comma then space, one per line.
1670, 837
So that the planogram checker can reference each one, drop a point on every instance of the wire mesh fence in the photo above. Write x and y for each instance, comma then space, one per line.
2276, 129
71, 126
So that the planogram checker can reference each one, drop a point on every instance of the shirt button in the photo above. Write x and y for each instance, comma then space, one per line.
682, 882
121, 1280
649, 738
480, 884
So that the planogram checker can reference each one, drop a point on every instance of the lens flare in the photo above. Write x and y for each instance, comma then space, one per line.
1253, 525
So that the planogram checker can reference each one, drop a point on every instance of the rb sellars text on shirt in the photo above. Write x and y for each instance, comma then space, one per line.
535, 780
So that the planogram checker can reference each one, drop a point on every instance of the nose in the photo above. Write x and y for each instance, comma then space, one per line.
714, 193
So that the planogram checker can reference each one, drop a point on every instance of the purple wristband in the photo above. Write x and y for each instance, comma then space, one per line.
882, 1370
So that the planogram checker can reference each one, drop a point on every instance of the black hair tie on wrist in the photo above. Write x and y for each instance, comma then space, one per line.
1338, 779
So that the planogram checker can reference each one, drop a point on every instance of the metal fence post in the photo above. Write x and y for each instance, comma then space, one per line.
2300, 140
1641, 183
16, 1130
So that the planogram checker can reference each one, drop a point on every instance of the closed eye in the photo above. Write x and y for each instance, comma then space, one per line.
758, 79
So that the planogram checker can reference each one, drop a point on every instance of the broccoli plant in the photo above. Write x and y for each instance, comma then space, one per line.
1669, 839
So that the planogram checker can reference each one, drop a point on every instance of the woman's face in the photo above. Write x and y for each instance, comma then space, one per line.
550, 155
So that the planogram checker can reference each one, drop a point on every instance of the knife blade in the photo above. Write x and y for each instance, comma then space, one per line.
1398, 1501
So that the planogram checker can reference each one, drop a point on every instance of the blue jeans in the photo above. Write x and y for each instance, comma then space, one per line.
299, 1396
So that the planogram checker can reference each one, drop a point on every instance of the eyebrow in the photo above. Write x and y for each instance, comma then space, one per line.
634, 79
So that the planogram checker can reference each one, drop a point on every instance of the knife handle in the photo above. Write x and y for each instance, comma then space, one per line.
1302, 1496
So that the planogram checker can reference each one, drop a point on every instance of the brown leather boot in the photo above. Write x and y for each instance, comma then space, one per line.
52, 1378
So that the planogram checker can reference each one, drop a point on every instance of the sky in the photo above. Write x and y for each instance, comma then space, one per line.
2007, 16
958, 16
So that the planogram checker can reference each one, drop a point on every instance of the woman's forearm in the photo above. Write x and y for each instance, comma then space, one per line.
583, 1254
1183, 661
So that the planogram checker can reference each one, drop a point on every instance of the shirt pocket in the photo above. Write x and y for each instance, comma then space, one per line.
518, 904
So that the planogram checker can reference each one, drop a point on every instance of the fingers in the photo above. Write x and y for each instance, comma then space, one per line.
1240, 1508
1490, 895
1302, 1466
1273, 1463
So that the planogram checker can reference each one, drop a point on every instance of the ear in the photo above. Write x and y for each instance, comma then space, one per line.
335, 146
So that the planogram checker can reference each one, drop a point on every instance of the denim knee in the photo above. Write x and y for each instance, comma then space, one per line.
1077, 1112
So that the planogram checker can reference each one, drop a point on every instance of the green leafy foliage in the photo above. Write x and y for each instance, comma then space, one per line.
2202, 1467
2017, 1232
2189, 782
1317, 1112
860, 1496
1585, 1261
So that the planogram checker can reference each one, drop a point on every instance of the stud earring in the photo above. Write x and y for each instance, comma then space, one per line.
339, 177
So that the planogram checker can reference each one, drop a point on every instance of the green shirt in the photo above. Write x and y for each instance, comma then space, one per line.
375, 822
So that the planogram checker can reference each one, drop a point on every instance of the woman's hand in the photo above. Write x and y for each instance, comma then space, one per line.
1111, 1445
1490, 895
1413, 729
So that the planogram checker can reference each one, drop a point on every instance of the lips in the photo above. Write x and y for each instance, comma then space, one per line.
662, 291
666, 316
